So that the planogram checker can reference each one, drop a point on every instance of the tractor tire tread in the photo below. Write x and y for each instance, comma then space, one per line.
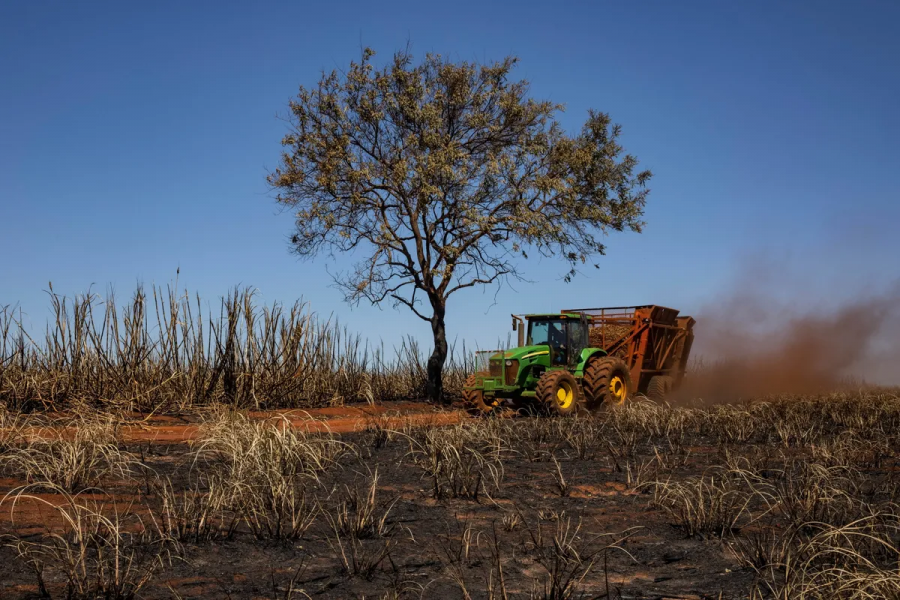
597, 375
474, 399
545, 391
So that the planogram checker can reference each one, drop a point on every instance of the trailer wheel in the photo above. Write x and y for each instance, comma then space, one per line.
659, 387
559, 391
607, 381
474, 399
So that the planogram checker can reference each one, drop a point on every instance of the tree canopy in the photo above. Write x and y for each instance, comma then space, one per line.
442, 175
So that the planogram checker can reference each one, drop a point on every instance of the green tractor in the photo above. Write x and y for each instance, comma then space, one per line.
554, 367
583, 358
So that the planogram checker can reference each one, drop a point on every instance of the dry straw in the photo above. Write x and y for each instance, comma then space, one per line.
164, 351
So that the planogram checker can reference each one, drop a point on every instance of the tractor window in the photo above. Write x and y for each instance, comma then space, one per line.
556, 334
537, 334
557, 342
552, 333
547, 332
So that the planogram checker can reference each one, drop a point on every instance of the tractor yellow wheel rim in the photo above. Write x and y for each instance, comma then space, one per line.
617, 389
565, 395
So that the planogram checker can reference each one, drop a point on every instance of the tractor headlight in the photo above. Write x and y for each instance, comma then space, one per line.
512, 371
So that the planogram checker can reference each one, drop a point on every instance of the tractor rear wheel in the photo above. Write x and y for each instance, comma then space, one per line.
474, 399
559, 391
607, 380
659, 387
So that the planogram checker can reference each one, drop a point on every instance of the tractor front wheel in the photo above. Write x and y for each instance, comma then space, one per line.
607, 381
474, 399
559, 391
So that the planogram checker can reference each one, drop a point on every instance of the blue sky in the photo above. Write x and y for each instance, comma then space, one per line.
135, 139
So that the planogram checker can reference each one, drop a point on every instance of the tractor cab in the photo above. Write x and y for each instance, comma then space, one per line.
565, 334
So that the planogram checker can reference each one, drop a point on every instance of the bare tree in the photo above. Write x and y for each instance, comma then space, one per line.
438, 176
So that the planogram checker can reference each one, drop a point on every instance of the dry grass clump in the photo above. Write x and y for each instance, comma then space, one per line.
856, 561
851, 449
262, 471
584, 436
12, 430
760, 546
808, 492
358, 513
379, 430
245, 447
201, 513
458, 552
361, 557
359, 531
538, 439
76, 457
276, 507
737, 424
257, 473
558, 554
97, 554
709, 505
795, 428
462, 461
654, 421
567, 556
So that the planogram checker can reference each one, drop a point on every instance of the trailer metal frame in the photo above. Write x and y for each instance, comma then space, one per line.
657, 343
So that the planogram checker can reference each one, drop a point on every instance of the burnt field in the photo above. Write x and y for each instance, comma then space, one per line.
786, 497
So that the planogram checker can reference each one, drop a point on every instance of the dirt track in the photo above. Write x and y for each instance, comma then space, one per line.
344, 419
341, 419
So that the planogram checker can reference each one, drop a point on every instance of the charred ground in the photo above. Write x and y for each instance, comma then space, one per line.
786, 497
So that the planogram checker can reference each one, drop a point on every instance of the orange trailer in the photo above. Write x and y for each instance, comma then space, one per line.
654, 341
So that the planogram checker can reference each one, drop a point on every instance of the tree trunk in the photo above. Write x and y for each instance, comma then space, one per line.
438, 355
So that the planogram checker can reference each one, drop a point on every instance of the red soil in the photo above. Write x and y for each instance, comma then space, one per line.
339, 419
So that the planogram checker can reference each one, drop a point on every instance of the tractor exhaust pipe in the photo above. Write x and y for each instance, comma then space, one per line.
519, 325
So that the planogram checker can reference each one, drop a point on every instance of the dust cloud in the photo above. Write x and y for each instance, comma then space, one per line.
751, 342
